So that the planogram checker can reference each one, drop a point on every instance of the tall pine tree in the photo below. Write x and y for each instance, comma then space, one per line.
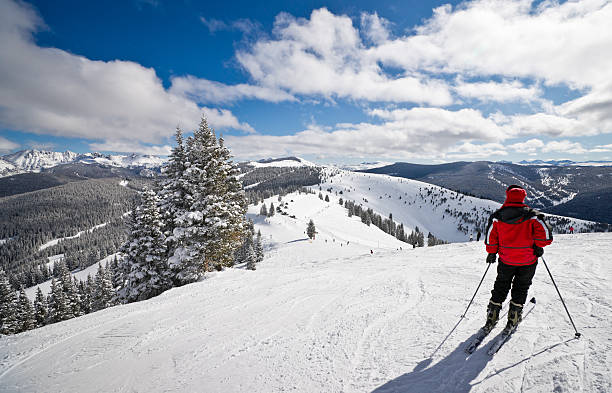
8, 306
146, 252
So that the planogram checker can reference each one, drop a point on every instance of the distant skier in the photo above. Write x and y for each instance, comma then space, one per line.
518, 234
371, 252
571, 229
478, 234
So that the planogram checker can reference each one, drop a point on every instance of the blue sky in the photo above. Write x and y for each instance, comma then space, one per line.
416, 81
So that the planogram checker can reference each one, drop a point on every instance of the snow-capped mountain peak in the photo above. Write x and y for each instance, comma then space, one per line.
34, 160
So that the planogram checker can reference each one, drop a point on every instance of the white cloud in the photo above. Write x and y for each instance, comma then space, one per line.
530, 147
131, 147
375, 28
7, 145
214, 25
564, 146
50, 91
506, 91
223, 118
559, 43
404, 134
246, 26
204, 90
324, 56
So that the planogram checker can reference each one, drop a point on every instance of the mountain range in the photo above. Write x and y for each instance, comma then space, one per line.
571, 190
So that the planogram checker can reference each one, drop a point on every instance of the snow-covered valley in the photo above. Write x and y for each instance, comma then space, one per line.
347, 312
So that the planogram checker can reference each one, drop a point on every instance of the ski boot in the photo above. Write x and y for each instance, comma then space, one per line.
493, 310
515, 316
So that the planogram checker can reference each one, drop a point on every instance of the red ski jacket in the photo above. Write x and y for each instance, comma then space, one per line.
514, 229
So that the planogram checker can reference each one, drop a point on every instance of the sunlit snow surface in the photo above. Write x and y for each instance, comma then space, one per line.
327, 316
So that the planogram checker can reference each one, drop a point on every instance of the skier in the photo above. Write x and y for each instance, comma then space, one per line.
571, 229
518, 233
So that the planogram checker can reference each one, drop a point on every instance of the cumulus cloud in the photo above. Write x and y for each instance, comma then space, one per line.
324, 56
559, 43
131, 147
204, 90
50, 91
564, 146
403, 134
6, 145
530, 147
375, 28
506, 91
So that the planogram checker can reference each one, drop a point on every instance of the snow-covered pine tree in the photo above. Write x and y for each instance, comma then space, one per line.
311, 230
59, 308
264, 210
8, 306
209, 231
40, 308
145, 252
326, 198
258, 248
250, 257
103, 290
271, 211
25, 313
70, 291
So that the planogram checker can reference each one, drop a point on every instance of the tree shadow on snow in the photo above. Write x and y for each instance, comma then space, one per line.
297, 240
452, 374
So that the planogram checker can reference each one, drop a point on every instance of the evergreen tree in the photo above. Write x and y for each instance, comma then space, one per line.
209, 230
40, 308
59, 309
73, 301
8, 307
26, 317
103, 290
250, 257
258, 248
145, 253
264, 210
85, 295
311, 230
326, 198
271, 211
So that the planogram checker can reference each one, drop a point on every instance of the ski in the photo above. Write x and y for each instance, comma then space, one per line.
480, 336
503, 337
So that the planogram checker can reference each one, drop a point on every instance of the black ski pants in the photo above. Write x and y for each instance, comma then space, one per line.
517, 277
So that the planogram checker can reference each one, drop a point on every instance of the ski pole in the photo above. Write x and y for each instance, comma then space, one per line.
577, 335
481, 280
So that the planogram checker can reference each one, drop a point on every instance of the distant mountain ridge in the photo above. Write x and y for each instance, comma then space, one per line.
33, 160
571, 190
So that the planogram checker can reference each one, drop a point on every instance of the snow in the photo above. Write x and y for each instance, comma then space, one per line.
123, 183
53, 259
53, 242
331, 317
45, 287
297, 162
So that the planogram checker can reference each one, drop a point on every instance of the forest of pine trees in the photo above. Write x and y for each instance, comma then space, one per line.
191, 222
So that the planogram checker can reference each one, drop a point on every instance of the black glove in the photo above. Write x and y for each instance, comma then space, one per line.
491, 258
538, 251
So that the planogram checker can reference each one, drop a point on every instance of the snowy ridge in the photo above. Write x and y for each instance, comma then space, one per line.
285, 162
34, 160
432, 208
330, 316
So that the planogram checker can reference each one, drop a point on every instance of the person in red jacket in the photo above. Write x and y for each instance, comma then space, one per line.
517, 234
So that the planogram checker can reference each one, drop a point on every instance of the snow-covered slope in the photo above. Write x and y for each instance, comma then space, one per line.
331, 317
281, 162
123, 161
7, 168
447, 214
